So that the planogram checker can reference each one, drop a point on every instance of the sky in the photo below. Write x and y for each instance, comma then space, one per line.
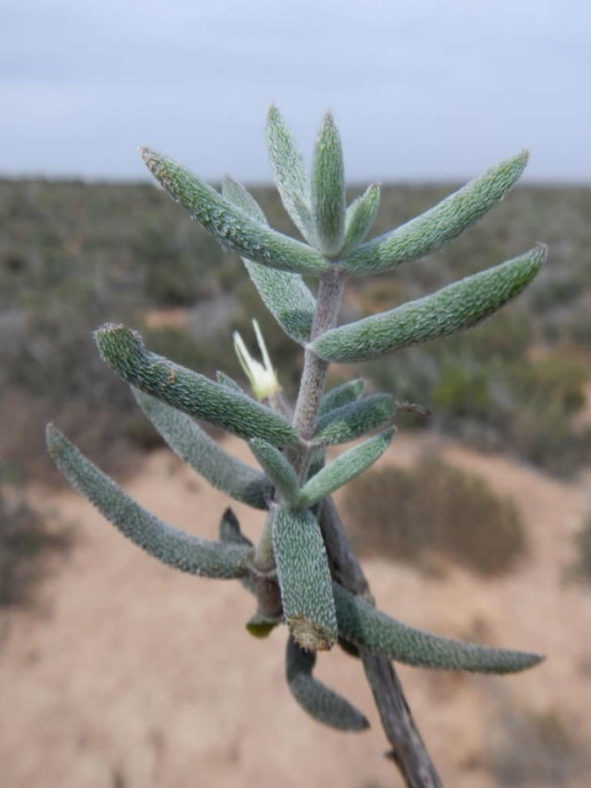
421, 90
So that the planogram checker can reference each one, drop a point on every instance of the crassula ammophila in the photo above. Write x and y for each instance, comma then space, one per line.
302, 572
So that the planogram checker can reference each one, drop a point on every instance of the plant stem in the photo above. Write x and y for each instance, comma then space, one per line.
408, 749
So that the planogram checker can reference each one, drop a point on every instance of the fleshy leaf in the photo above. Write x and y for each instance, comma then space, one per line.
290, 175
230, 533
440, 224
328, 188
189, 391
304, 578
341, 395
277, 468
360, 217
321, 703
349, 422
451, 309
363, 625
194, 446
228, 382
174, 547
284, 294
230, 225
344, 468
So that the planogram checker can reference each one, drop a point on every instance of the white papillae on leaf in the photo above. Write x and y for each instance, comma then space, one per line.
230, 225
277, 468
349, 422
285, 294
347, 392
344, 468
304, 578
318, 700
262, 377
440, 224
328, 188
290, 174
174, 547
363, 625
360, 217
124, 351
451, 309
202, 453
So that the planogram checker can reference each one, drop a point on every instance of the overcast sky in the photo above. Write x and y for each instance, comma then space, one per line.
420, 89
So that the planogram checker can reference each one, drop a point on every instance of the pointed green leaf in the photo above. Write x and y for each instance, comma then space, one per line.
328, 188
365, 626
289, 172
230, 225
451, 309
189, 391
341, 395
360, 217
284, 294
176, 548
277, 468
230, 531
440, 224
228, 382
344, 468
194, 446
321, 703
349, 422
260, 626
304, 578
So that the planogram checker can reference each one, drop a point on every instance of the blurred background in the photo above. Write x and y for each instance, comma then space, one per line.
116, 672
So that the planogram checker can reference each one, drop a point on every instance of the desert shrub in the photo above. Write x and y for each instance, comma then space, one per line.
25, 543
460, 518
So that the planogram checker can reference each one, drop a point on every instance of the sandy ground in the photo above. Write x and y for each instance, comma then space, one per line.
137, 676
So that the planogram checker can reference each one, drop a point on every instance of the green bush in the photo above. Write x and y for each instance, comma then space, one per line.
460, 517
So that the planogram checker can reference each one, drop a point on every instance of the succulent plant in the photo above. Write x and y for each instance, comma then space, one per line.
302, 572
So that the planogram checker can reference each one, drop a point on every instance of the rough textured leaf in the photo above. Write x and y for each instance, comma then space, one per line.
176, 548
230, 533
289, 172
344, 468
304, 578
360, 217
328, 188
363, 625
451, 309
321, 703
230, 225
228, 382
351, 421
341, 395
277, 468
440, 224
189, 391
194, 446
284, 294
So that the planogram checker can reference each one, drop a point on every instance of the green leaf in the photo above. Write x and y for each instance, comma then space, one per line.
363, 625
284, 294
176, 548
189, 391
341, 395
230, 531
230, 225
440, 224
228, 382
304, 578
277, 468
451, 309
344, 468
195, 447
290, 175
360, 217
349, 422
328, 188
321, 703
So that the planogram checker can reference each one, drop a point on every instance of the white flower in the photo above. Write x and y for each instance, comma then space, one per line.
262, 377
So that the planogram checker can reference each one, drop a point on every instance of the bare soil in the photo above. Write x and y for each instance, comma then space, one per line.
137, 676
